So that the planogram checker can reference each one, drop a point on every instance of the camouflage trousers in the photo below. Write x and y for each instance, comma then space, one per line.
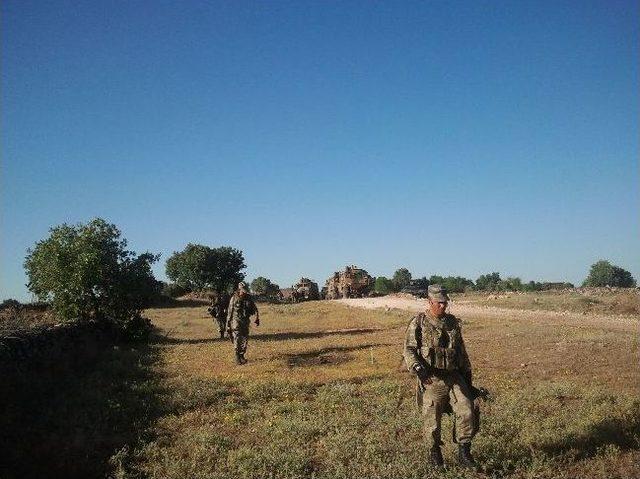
448, 392
222, 325
240, 338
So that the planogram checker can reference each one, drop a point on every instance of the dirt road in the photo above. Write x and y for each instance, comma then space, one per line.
466, 309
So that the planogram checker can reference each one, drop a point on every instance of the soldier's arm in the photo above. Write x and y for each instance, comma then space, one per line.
412, 345
465, 363
232, 305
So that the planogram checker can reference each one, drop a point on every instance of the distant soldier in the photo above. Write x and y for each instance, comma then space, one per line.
241, 308
435, 352
218, 309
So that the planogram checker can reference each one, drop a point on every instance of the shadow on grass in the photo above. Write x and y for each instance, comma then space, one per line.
623, 433
181, 303
328, 356
272, 336
68, 418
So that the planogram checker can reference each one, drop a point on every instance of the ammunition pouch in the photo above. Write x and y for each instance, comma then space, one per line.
446, 359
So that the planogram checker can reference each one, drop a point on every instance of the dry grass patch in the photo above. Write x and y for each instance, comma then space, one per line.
324, 395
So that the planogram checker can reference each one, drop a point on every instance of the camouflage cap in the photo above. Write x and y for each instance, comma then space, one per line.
242, 286
437, 293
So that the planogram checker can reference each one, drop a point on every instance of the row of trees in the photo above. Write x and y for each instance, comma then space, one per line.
601, 274
86, 272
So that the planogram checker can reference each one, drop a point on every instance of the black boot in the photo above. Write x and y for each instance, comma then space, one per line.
465, 459
239, 358
435, 456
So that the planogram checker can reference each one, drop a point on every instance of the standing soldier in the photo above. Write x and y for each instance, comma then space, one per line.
241, 308
435, 352
218, 310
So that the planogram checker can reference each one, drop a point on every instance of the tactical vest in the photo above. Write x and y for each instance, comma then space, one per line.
441, 347
244, 308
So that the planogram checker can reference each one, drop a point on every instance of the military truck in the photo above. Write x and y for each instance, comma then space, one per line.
305, 290
353, 282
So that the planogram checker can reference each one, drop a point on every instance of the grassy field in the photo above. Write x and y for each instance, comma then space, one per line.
324, 395
589, 301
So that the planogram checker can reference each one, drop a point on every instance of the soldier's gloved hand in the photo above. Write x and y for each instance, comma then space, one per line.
422, 374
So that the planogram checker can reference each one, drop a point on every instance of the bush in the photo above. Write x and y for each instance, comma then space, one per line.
199, 267
264, 287
453, 284
604, 273
401, 278
173, 290
383, 285
488, 282
86, 273
10, 304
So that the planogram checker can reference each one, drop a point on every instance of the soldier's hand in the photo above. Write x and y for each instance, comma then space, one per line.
257, 321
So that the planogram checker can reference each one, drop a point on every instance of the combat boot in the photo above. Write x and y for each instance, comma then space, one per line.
239, 359
435, 456
465, 459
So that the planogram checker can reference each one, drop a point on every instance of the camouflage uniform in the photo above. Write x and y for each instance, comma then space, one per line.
218, 310
435, 350
238, 318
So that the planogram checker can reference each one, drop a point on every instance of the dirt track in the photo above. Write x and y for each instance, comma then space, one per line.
461, 309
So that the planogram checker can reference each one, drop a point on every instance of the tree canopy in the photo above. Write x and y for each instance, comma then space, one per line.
383, 285
198, 267
603, 273
264, 287
401, 278
86, 272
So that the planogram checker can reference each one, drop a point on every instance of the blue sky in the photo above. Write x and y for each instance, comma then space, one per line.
447, 137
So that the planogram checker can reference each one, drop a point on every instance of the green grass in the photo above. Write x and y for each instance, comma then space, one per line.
324, 396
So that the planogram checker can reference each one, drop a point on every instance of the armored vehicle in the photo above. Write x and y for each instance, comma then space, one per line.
305, 290
353, 282
416, 287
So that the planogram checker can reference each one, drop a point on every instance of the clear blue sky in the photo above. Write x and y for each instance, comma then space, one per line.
448, 137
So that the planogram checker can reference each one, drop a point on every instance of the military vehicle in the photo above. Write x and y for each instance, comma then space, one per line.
305, 290
416, 287
353, 282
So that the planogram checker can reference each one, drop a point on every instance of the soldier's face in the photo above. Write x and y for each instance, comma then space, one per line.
437, 308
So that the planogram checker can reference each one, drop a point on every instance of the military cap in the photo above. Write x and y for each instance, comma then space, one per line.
437, 293
242, 286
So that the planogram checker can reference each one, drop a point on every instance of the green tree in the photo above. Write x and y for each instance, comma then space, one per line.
86, 272
603, 273
198, 267
383, 285
457, 284
401, 278
264, 287
488, 282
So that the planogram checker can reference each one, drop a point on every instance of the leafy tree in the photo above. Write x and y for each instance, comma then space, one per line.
603, 273
383, 285
264, 287
510, 284
401, 278
198, 267
86, 272
488, 282
453, 284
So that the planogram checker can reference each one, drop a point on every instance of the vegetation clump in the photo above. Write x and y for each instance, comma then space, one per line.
200, 267
86, 273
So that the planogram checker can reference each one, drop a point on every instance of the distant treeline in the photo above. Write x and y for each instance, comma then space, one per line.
85, 272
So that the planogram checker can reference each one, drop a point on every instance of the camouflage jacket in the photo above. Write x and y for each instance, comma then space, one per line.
240, 310
437, 345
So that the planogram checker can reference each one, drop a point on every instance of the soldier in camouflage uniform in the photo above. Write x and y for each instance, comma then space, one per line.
218, 310
241, 308
435, 352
